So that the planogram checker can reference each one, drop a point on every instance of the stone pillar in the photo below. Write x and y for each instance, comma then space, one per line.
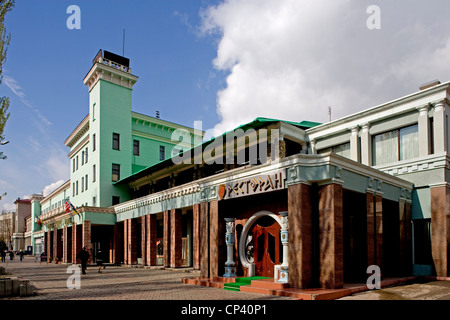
175, 238
440, 128
144, 235
150, 221
214, 228
331, 240
86, 238
405, 237
125, 241
76, 242
366, 145
375, 230
440, 229
204, 240
354, 145
166, 242
230, 265
312, 144
424, 132
132, 243
300, 238
65, 245
48, 244
55, 244
196, 236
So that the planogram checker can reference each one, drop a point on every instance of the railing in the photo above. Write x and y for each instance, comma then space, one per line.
114, 65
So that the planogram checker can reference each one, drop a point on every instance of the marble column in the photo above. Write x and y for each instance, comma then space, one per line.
230, 266
284, 268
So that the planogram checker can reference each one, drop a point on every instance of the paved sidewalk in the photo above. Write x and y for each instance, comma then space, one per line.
429, 290
117, 283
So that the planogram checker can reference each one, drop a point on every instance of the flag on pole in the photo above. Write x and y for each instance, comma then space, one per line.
38, 220
69, 207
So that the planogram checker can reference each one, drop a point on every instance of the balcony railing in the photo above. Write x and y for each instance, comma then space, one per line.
114, 65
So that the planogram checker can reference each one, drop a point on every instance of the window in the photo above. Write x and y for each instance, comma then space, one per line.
73, 189
93, 173
94, 201
396, 145
82, 184
82, 157
116, 141
77, 162
115, 172
115, 200
86, 155
86, 182
342, 150
162, 153
93, 112
93, 142
76, 188
136, 147
73, 165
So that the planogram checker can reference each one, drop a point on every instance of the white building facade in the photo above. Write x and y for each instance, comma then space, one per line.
407, 138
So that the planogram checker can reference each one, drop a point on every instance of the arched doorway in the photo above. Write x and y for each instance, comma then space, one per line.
266, 240
259, 245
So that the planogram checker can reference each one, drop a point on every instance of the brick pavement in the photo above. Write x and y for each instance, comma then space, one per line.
117, 283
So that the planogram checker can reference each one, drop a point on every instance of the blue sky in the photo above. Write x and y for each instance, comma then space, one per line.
46, 64
224, 62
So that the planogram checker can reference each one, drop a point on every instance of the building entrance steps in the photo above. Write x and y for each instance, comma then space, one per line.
263, 285
239, 282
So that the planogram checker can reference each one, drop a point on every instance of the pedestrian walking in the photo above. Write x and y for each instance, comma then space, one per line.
21, 255
3, 255
11, 255
99, 259
83, 255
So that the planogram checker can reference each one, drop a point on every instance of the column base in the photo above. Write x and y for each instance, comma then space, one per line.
283, 272
230, 272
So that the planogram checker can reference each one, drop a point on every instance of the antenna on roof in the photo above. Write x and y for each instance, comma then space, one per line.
329, 113
157, 114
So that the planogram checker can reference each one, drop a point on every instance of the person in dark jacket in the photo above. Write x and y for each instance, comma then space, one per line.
100, 261
83, 255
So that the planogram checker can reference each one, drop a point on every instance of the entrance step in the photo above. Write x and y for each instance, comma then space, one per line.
268, 284
240, 282
206, 282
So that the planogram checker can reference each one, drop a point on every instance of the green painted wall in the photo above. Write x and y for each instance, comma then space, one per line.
110, 112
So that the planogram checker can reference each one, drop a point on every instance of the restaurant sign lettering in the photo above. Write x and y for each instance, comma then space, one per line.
251, 186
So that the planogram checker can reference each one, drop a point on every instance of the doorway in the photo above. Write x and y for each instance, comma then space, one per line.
267, 246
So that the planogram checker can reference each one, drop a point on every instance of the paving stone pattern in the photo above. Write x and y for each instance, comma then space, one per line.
117, 283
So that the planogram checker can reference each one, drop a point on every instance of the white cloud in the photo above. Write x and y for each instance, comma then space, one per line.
290, 59
14, 86
52, 187
8, 207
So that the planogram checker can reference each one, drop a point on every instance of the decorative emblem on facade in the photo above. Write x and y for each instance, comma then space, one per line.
222, 191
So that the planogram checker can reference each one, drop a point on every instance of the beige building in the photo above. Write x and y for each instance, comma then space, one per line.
23, 210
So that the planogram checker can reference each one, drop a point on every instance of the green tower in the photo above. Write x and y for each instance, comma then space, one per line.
110, 144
